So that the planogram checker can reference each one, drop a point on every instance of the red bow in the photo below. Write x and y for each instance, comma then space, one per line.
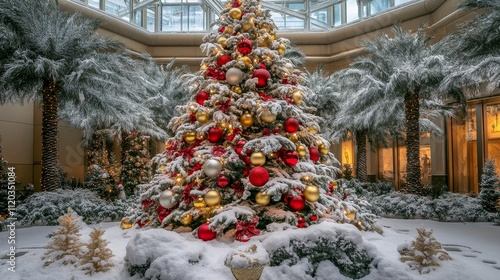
224, 106
218, 151
245, 230
266, 97
196, 167
188, 151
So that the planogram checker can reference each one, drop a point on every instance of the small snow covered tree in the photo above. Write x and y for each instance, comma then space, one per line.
65, 245
136, 168
97, 255
424, 252
490, 180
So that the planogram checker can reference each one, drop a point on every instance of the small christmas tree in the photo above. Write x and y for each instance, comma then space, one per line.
136, 168
425, 252
488, 192
65, 245
96, 259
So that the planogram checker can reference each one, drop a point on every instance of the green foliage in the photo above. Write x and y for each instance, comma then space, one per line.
138, 269
341, 251
489, 193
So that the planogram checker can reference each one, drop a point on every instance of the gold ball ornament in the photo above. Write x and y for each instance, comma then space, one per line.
190, 136
199, 202
237, 89
301, 150
179, 180
294, 137
186, 219
262, 198
324, 150
265, 26
246, 60
297, 97
258, 159
125, 223
268, 117
235, 13
228, 30
311, 193
248, 25
222, 41
202, 116
212, 198
273, 36
281, 48
312, 130
265, 40
246, 119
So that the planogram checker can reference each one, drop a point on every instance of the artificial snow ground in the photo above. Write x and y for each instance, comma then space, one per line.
474, 247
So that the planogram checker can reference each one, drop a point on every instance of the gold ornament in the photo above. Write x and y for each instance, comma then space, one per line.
265, 27
334, 184
247, 25
246, 60
297, 97
258, 159
262, 198
235, 13
199, 202
265, 40
294, 137
228, 30
350, 215
179, 180
237, 89
200, 136
324, 150
273, 36
268, 117
125, 223
312, 130
281, 48
246, 119
222, 41
311, 193
190, 136
301, 150
202, 117
186, 219
212, 198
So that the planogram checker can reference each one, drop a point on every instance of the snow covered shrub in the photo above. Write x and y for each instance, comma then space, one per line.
424, 253
46, 207
489, 193
342, 245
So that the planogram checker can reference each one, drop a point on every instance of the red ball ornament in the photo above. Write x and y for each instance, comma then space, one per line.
291, 125
262, 76
201, 97
205, 233
223, 59
301, 223
313, 218
258, 176
245, 46
291, 158
239, 146
296, 203
222, 181
262, 66
221, 76
221, 29
212, 72
313, 154
215, 134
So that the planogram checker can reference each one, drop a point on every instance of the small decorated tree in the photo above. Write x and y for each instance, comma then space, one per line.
424, 253
96, 258
136, 168
488, 192
65, 245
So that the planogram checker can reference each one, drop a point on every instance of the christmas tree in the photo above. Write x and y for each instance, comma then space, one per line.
65, 245
136, 168
96, 258
246, 151
488, 192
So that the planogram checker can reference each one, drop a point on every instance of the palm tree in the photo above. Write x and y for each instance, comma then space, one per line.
401, 70
50, 56
475, 49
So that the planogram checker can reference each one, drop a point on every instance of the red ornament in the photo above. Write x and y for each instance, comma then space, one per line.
296, 203
192, 117
313, 154
223, 59
262, 76
239, 146
245, 230
291, 158
301, 223
291, 125
266, 131
262, 66
201, 97
215, 134
245, 46
236, 4
313, 218
221, 76
212, 72
146, 203
285, 81
258, 176
162, 213
140, 223
221, 29
222, 181
205, 233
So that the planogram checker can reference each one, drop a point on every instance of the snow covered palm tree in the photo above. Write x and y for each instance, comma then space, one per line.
56, 58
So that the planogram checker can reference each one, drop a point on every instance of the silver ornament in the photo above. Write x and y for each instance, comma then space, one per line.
212, 167
166, 197
234, 76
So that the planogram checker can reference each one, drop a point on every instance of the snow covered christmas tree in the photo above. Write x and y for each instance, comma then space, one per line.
488, 193
96, 258
135, 162
246, 151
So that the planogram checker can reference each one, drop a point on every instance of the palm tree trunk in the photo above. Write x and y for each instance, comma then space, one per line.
360, 138
412, 115
50, 160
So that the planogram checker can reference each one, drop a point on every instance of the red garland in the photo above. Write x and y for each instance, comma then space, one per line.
162, 213
146, 203
218, 151
245, 230
266, 97
224, 106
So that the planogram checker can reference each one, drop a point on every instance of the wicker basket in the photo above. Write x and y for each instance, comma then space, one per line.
248, 273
